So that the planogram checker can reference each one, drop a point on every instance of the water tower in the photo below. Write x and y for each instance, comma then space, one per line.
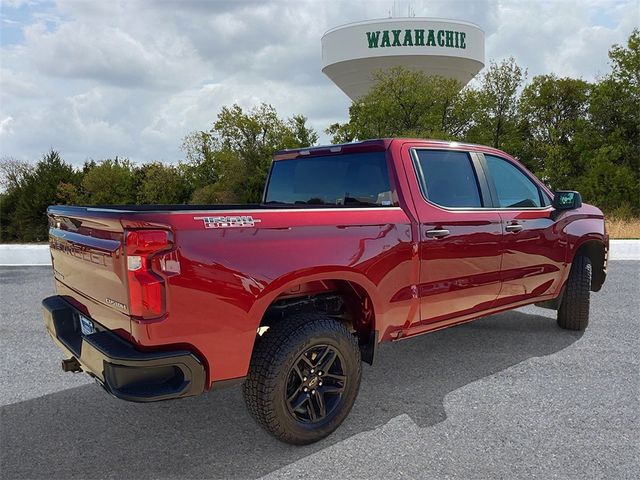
352, 53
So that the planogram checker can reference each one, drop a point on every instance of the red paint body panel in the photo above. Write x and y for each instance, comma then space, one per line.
220, 281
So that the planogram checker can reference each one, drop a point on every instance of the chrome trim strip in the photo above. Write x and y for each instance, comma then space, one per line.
254, 210
413, 154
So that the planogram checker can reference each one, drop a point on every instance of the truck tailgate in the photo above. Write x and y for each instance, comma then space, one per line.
89, 266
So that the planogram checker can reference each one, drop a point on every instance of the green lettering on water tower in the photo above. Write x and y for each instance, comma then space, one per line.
373, 38
385, 39
435, 38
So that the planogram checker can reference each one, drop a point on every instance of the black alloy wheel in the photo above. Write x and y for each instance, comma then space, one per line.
316, 383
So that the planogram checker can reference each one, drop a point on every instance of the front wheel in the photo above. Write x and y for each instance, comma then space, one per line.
303, 378
573, 313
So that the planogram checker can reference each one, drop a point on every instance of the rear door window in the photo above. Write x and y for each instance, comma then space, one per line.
447, 178
357, 179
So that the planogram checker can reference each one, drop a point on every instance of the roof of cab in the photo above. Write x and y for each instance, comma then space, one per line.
378, 145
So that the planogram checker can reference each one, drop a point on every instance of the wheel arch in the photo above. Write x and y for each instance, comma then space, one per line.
306, 291
596, 250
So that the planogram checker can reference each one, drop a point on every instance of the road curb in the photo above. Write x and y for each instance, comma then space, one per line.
624, 249
21, 255
24, 255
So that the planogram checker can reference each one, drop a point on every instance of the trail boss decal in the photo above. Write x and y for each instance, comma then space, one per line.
229, 222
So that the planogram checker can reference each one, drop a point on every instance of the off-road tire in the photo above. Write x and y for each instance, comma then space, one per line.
573, 313
269, 380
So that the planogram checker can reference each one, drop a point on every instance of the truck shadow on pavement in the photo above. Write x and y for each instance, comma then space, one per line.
84, 433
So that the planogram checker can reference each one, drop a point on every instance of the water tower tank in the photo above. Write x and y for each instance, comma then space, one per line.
352, 53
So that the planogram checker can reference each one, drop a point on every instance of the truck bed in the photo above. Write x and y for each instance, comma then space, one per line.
217, 279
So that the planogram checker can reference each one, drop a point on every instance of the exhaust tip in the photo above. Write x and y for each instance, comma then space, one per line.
71, 365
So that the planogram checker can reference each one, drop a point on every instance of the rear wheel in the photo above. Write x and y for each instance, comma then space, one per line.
573, 313
303, 378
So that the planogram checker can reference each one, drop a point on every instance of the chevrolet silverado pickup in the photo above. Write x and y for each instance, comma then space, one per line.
352, 245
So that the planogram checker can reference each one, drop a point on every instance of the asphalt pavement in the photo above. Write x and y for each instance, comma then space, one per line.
507, 396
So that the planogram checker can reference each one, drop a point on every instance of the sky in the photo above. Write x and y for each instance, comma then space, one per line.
96, 79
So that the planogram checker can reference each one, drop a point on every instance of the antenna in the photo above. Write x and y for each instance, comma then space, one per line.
398, 6
411, 12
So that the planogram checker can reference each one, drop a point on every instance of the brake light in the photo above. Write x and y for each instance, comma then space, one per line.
146, 288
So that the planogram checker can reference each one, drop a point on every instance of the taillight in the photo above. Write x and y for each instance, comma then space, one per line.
146, 289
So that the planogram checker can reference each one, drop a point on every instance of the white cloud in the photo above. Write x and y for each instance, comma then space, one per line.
111, 55
5, 126
561, 37
132, 77
17, 85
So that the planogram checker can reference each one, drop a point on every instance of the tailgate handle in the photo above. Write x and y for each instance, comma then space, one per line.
103, 244
437, 233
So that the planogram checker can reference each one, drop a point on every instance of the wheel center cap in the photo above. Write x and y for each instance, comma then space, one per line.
313, 382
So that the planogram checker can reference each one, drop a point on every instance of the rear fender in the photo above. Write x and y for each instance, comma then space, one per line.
304, 284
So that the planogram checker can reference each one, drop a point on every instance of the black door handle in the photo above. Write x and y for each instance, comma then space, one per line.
437, 233
514, 228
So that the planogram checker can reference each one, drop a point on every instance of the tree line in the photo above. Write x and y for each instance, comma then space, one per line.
571, 133
227, 164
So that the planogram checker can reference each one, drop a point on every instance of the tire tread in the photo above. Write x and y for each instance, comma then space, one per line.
573, 313
270, 354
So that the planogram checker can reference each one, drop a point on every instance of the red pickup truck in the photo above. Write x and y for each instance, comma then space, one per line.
353, 245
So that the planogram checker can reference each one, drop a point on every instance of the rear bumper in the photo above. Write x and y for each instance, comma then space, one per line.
122, 370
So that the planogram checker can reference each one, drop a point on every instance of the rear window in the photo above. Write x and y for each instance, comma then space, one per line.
447, 178
350, 179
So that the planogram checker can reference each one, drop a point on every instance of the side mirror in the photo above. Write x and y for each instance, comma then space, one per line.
566, 200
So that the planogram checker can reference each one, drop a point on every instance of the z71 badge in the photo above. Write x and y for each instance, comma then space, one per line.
229, 222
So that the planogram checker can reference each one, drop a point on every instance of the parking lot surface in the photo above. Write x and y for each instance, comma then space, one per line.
508, 396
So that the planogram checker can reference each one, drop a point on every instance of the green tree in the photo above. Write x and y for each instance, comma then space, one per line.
610, 143
211, 195
409, 103
341, 132
26, 208
109, 182
230, 162
200, 168
13, 173
553, 112
495, 116
161, 184
625, 62
612, 187
68, 193
301, 133
8, 201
